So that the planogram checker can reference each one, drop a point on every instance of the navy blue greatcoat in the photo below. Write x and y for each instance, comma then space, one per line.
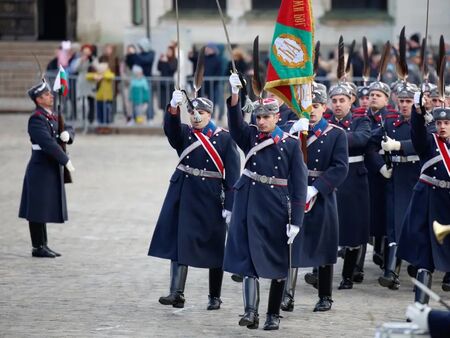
257, 241
43, 193
439, 324
418, 244
327, 162
377, 182
406, 168
190, 228
353, 194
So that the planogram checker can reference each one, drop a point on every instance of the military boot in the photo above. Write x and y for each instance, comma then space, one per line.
250, 293
178, 275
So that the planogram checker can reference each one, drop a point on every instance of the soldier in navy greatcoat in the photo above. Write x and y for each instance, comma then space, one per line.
43, 195
286, 114
395, 140
353, 221
268, 206
191, 227
430, 200
327, 163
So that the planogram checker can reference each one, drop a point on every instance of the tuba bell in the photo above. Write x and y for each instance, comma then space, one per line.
440, 231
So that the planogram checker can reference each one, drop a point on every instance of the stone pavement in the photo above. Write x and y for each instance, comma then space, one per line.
104, 285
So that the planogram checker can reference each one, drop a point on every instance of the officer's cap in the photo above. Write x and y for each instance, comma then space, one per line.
380, 86
266, 106
39, 89
362, 91
441, 114
340, 89
202, 103
319, 93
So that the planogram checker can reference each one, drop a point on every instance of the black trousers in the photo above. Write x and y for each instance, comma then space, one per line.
38, 234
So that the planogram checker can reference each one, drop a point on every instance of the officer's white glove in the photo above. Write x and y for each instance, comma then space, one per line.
226, 214
387, 173
428, 118
70, 166
418, 314
390, 144
299, 126
177, 98
310, 193
291, 232
235, 83
417, 101
64, 136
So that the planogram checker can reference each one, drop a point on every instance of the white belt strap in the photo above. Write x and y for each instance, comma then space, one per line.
314, 138
36, 147
258, 147
265, 179
433, 181
189, 150
314, 173
430, 162
404, 159
354, 159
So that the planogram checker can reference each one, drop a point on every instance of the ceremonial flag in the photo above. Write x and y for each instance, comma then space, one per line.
61, 82
290, 69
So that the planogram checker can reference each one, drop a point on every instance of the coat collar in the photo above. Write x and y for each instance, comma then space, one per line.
208, 130
319, 127
276, 135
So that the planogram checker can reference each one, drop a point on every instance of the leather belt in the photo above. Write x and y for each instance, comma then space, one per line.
404, 159
314, 173
199, 172
36, 147
433, 181
265, 179
354, 159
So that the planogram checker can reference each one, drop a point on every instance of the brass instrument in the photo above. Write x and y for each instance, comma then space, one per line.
440, 231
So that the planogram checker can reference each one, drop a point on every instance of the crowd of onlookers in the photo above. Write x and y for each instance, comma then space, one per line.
99, 76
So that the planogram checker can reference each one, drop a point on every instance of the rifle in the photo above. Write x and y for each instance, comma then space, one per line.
67, 174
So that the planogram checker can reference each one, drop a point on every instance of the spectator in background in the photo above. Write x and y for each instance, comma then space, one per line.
213, 67
167, 66
104, 79
110, 54
84, 63
139, 95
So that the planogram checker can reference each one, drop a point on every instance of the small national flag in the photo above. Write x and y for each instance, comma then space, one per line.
290, 69
61, 84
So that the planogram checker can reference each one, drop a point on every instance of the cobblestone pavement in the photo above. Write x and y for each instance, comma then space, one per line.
104, 285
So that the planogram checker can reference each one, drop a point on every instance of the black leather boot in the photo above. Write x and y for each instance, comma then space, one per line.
215, 287
37, 241
44, 229
289, 291
377, 257
351, 255
446, 282
250, 293
236, 278
325, 286
424, 276
358, 274
392, 265
273, 307
178, 274
311, 278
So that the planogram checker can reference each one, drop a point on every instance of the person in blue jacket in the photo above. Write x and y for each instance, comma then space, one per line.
318, 240
268, 206
191, 227
436, 322
418, 244
395, 140
43, 195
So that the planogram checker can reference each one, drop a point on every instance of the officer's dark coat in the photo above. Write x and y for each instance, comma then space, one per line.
43, 193
190, 228
377, 182
353, 195
404, 174
318, 240
439, 324
418, 244
286, 114
257, 241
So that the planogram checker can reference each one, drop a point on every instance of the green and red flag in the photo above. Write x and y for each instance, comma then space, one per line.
290, 70
61, 82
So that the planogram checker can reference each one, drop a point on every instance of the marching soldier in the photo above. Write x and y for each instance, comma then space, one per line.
353, 222
327, 168
43, 196
396, 140
191, 226
286, 114
269, 204
363, 100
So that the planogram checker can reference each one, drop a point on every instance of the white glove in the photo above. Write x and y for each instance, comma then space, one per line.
70, 166
310, 193
64, 136
418, 314
417, 102
291, 232
387, 173
226, 214
235, 83
390, 144
428, 118
177, 98
299, 126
